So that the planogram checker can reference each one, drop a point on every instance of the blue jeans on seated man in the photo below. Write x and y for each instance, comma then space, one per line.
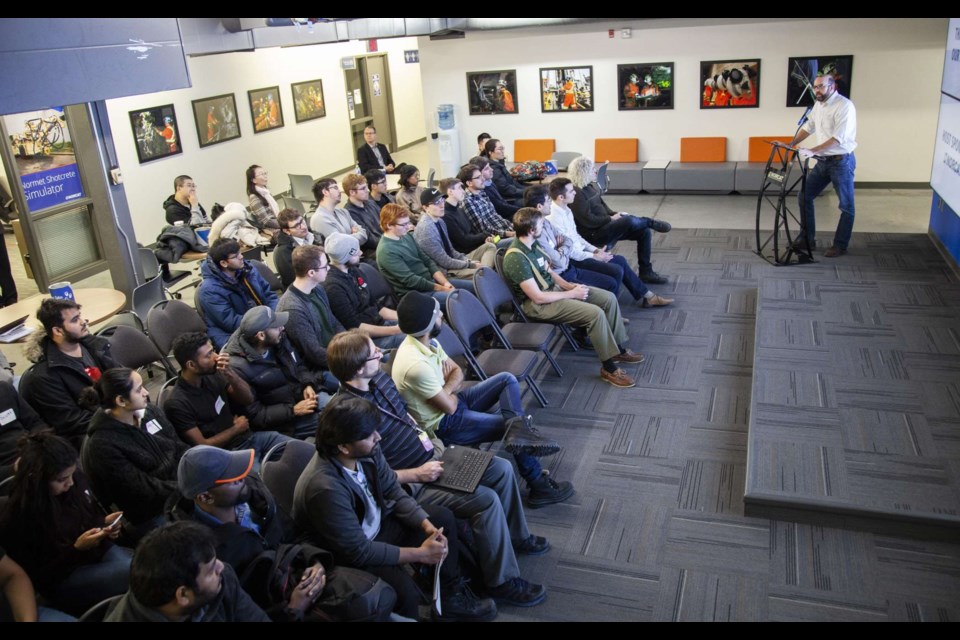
441, 296
470, 424
88, 584
627, 228
619, 269
837, 170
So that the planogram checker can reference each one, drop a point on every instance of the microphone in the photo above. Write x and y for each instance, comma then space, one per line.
806, 115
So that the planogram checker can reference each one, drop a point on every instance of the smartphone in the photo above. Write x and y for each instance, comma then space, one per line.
116, 522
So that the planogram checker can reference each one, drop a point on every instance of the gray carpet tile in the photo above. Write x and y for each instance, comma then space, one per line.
657, 531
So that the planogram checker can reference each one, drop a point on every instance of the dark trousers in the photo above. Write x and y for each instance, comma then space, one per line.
395, 532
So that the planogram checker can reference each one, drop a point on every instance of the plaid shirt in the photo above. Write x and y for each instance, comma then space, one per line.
483, 216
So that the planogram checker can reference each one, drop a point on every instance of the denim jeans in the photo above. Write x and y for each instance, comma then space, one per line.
628, 228
839, 171
617, 268
470, 424
90, 583
261, 442
441, 296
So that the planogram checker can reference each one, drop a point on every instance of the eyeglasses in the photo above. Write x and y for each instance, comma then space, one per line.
402, 224
325, 267
376, 355
299, 223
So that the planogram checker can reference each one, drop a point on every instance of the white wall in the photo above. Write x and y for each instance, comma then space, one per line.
897, 69
317, 147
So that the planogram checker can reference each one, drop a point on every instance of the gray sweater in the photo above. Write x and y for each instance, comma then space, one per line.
430, 235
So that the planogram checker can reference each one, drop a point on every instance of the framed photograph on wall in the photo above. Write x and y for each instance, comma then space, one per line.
643, 86
308, 101
492, 92
156, 133
265, 109
801, 72
216, 119
566, 89
730, 84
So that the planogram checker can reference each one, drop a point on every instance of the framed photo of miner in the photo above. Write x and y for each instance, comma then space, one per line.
308, 101
801, 72
566, 89
492, 92
645, 86
730, 84
156, 133
265, 109
216, 119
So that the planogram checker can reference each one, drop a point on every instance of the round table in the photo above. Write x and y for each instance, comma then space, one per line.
98, 305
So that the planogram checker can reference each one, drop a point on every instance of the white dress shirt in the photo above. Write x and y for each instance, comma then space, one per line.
562, 220
836, 118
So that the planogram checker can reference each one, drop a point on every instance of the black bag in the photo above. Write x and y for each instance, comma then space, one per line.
349, 594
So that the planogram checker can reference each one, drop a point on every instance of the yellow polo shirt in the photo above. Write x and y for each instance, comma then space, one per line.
418, 373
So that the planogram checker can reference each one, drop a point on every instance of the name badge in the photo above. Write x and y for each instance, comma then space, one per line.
540, 261
218, 405
8, 416
153, 427
425, 441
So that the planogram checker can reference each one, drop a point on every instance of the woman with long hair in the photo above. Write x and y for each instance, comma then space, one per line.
410, 190
131, 451
52, 526
263, 206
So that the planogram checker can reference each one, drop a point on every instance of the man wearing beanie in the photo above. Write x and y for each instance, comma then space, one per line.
432, 236
218, 491
431, 384
349, 294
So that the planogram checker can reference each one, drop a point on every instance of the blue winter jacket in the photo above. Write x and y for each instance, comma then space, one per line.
224, 301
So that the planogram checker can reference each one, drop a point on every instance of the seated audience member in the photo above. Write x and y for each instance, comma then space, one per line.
53, 528
364, 213
374, 155
494, 510
286, 393
18, 419
293, 234
410, 190
475, 245
206, 404
68, 360
262, 206
19, 601
311, 325
131, 450
348, 500
585, 256
176, 576
604, 227
505, 208
349, 295
377, 181
218, 491
548, 297
183, 207
483, 216
432, 386
230, 287
328, 217
404, 264
558, 248
506, 184
482, 142
431, 235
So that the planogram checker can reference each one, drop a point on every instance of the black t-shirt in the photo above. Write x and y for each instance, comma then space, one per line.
88, 364
206, 407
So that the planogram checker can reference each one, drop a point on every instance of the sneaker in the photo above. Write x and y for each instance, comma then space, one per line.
834, 251
533, 546
655, 301
660, 226
545, 490
652, 277
517, 592
618, 378
629, 357
524, 438
464, 605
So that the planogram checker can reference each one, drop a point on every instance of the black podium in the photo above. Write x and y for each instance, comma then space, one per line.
784, 183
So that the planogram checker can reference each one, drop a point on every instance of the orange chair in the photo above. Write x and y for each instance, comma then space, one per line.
539, 150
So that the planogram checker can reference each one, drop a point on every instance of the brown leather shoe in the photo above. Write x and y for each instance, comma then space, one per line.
629, 357
618, 378
655, 301
833, 252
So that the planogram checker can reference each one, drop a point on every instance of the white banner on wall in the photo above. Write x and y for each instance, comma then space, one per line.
945, 175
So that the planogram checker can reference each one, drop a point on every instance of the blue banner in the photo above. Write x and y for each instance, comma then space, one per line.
51, 187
